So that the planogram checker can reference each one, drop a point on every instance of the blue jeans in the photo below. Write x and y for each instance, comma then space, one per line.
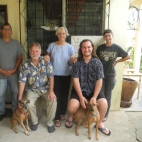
12, 82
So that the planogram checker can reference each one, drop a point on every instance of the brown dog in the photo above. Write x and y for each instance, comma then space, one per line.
20, 115
87, 116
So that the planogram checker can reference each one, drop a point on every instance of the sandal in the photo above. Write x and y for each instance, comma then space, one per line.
69, 122
104, 130
104, 119
62, 117
57, 123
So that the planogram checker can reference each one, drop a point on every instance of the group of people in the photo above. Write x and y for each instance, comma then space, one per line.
92, 74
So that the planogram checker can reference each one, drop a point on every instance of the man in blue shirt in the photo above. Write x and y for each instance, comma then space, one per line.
37, 77
87, 75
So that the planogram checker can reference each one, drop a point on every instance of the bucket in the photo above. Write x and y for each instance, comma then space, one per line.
128, 89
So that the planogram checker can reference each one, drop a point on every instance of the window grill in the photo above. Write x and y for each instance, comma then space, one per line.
83, 17
39, 13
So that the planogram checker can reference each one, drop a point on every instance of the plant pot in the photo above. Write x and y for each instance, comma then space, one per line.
48, 28
45, 28
128, 89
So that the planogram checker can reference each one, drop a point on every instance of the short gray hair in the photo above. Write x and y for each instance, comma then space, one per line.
62, 28
35, 44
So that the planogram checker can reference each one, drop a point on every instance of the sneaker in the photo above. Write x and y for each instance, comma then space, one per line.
51, 129
2, 116
34, 127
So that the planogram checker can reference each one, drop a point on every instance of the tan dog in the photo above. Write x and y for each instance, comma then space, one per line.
87, 116
20, 115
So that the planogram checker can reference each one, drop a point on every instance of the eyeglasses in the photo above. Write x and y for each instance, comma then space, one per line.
6, 29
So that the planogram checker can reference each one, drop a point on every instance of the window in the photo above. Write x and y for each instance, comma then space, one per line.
3, 15
83, 17
39, 13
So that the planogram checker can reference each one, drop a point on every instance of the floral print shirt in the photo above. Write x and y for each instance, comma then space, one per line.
36, 78
88, 74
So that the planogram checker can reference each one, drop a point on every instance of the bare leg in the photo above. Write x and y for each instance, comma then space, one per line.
72, 108
102, 110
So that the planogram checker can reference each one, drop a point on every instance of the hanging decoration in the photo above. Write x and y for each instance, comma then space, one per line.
52, 23
133, 17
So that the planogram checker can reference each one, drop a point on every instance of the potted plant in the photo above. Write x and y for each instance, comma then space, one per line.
51, 25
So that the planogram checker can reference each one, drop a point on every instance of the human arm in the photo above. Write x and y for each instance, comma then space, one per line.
47, 57
72, 60
21, 87
51, 95
23, 76
121, 60
77, 87
18, 62
97, 89
5, 72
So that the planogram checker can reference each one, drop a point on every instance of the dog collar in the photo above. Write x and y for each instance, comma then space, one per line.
94, 114
22, 112
26, 113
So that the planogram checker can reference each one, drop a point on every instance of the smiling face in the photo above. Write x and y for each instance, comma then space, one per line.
87, 49
62, 35
6, 31
108, 37
35, 52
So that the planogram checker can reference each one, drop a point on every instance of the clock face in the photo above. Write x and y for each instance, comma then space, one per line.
133, 16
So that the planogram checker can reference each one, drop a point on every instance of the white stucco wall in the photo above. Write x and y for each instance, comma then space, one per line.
13, 20
118, 24
13, 16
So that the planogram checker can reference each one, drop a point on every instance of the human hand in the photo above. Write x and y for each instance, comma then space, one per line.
6, 73
19, 104
115, 63
93, 99
52, 96
83, 101
11, 71
46, 58
73, 60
